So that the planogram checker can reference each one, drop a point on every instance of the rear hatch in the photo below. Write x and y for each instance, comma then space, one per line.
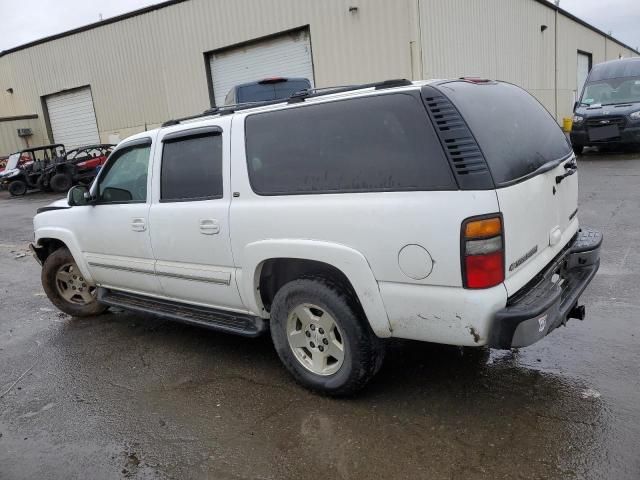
533, 169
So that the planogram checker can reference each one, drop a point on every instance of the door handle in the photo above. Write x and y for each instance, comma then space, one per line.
138, 225
209, 227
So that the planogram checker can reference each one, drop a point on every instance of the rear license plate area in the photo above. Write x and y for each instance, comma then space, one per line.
603, 133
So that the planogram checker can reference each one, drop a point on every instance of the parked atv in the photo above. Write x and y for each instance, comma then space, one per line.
79, 166
24, 168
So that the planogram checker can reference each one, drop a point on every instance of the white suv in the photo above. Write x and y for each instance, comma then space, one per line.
441, 211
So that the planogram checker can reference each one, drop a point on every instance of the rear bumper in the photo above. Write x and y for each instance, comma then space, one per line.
551, 299
629, 136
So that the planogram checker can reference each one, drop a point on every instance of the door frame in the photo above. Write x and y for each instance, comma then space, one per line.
247, 43
45, 108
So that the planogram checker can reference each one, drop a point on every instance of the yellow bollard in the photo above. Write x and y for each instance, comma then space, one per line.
567, 124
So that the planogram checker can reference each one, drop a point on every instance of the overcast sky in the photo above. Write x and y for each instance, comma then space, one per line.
25, 20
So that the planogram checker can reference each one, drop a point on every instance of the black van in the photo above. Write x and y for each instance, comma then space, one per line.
608, 112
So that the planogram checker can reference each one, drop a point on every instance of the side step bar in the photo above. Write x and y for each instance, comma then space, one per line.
222, 320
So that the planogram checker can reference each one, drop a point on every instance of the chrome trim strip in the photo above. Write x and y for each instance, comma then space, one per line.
193, 278
119, 268
162, 274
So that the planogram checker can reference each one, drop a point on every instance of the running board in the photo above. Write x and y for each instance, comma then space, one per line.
222, 320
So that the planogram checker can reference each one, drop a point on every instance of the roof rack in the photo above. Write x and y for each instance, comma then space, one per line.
302, 95
297, 97
223, 110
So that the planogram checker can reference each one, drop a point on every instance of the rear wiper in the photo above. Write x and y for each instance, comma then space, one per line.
571, 168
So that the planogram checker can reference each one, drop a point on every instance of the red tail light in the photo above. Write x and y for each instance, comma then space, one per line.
482, 251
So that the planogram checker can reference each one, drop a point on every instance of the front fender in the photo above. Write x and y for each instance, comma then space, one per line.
69, 239
349, 261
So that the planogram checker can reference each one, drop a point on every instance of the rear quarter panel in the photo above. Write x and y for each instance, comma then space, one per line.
377, 225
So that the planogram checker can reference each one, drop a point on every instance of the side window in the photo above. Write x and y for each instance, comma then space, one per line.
191, 168
370, 144
125, 178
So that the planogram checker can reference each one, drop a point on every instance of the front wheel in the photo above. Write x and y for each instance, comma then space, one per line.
322, 337
578, 149
17, 188
67, 288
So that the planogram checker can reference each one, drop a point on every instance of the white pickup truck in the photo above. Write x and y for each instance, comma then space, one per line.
441, 211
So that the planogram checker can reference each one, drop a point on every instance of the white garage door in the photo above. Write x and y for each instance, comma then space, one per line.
584, 62
288, 55
73, 119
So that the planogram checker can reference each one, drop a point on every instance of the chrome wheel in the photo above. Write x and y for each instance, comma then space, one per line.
73, 287
315, 339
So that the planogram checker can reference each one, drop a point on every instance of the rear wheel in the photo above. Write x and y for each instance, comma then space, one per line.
43, 183
67, 288
17, 188
61, 182
322, 337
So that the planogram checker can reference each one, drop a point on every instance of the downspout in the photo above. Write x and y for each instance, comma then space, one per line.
555, 58
415, 51
420, 57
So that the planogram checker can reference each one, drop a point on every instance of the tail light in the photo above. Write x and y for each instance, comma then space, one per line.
482, 252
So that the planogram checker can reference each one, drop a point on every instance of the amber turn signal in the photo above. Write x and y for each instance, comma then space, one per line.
488, 227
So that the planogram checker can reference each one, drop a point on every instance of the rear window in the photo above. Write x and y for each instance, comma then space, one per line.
262, 92
515, 132
378, 143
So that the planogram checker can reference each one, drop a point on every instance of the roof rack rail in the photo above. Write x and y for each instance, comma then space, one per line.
295, 98
223, 110
302, 95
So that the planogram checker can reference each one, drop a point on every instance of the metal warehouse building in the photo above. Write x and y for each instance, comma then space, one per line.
110, 79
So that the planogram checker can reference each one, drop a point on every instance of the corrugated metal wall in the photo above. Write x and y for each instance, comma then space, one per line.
10, 141
149, 68
146, 69
503, 39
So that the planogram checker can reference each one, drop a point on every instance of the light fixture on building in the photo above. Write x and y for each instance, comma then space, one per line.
9, 90
353, 9
543, 28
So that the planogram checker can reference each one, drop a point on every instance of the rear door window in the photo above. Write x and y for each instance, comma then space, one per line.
515, 132
191, 168
378, 143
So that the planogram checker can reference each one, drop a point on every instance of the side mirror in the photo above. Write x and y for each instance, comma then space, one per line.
575, 105
78, 196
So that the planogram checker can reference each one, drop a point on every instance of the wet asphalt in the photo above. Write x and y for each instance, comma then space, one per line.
130, 396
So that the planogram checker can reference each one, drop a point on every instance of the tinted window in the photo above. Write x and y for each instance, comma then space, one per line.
192, 168
125, 177
260, 92
381, 143
515, 132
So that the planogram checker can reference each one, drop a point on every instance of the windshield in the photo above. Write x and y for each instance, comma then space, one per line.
13, 161
612, 91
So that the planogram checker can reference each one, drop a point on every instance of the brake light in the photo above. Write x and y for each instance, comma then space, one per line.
272, 80
482, 251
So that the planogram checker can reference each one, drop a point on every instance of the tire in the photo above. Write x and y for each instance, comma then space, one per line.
362, 351
61, 182
56, 285
578, 149
43, 184
17, 188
